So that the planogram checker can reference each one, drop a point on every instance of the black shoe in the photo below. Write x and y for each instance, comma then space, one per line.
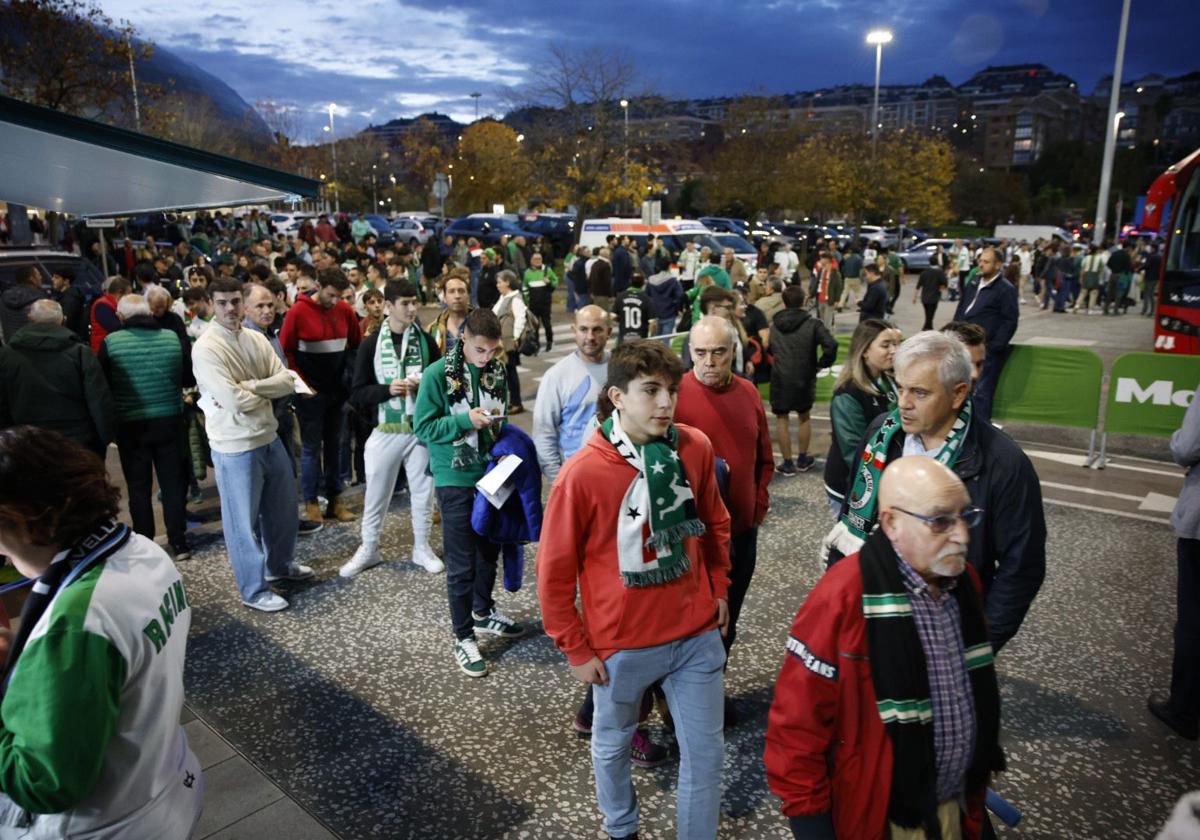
308, 527
626, 837
181, 550
1181, 725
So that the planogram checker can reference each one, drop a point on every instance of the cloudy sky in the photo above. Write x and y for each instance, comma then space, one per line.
380, 59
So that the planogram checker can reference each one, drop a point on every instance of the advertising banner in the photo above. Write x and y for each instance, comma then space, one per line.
1055, 386
1148, 393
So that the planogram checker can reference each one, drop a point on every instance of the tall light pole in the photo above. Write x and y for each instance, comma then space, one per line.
878, 37
1110, 139
476, 96
625, 153
337, 204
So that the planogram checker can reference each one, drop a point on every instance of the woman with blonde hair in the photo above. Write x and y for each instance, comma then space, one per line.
863, 391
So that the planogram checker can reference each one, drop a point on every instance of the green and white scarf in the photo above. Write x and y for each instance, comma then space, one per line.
396, 414
862, 503
886, 388
472, 448
658, 510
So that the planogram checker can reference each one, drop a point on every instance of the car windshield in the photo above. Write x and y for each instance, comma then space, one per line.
739, 245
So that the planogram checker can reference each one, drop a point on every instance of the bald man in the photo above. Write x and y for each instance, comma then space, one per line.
566, 397
730, 411
888, 682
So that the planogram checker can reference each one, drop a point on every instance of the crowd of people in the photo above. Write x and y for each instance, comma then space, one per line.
886, 714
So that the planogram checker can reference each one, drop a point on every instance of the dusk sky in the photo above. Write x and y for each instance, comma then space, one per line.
381, 59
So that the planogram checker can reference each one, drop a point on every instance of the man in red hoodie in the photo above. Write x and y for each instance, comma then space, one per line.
641, 533
317, 333
730, 411
104, 311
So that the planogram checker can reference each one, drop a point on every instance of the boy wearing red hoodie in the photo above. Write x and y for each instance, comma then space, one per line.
641, 533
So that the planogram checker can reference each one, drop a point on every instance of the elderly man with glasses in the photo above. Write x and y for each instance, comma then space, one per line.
886, 717
934, 416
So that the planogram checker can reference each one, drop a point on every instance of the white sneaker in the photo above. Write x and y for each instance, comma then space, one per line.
424, 557
268, 602
362, 560
297, 571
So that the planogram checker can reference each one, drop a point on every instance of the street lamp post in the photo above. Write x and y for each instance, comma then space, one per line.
337, 203
878, 37
476, 96
625, 152
1110, 139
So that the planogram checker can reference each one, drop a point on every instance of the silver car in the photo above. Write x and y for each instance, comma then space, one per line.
917, 257
410, 231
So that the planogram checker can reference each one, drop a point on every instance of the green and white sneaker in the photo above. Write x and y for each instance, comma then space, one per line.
498, 624
469, 658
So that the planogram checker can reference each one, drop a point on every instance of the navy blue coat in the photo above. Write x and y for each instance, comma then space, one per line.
997, 312
519, 520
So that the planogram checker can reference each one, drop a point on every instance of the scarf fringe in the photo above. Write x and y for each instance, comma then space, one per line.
393, 428
654, 577
676, 534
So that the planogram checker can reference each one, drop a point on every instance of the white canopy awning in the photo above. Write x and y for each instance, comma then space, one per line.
66, 163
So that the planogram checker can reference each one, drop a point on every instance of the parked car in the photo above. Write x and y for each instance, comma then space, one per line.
49, 262
383, 228
558, 228
742, 249
916, 258
409, 231
725, 224
289, 223
487, 229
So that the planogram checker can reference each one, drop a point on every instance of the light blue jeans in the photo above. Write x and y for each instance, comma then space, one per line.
692, 671
258, 514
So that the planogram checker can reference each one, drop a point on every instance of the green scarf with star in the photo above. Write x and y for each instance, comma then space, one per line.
396, 414
471, 450
862, 502
658, 510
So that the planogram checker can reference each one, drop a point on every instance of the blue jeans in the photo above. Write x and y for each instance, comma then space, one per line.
693, 679
572, 301
320, 450
258, 514
665, 326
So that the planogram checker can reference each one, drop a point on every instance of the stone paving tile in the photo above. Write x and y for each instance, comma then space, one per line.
352, 702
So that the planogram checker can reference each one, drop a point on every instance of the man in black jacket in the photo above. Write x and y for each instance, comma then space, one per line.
70, 298
50, 378
875, 298
991, 302
795, 338
1008, 548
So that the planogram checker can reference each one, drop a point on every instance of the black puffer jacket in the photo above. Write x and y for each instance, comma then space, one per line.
795, 339
1008, 548
14, 308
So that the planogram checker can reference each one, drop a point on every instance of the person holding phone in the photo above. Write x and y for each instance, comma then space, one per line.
461, 406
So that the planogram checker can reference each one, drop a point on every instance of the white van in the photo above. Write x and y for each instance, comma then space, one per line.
674, 232
1032, 233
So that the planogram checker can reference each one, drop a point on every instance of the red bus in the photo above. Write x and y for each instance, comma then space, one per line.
1173, 210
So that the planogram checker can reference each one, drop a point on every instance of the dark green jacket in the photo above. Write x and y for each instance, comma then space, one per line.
144, 364
49, 378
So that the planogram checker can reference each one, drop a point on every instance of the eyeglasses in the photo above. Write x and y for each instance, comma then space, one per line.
943, 523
